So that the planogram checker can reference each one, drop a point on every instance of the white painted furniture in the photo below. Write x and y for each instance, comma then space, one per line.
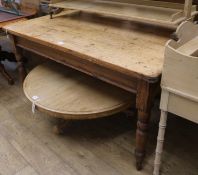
179, 81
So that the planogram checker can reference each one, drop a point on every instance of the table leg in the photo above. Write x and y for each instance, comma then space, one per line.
19, 59
144, 103
160, 141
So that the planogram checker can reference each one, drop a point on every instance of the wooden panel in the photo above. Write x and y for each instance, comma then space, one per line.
180, 70
185, 33
190, 47
183, 107
118, 45
180, 74
119, 79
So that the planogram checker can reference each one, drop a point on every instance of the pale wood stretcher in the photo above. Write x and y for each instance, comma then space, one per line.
179, 81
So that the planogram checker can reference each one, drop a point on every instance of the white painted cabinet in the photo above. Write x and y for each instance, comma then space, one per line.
179, 81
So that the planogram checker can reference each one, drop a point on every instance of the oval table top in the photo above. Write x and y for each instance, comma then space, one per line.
66, 93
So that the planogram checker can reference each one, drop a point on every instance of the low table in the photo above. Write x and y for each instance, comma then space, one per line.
125, 54
68, 94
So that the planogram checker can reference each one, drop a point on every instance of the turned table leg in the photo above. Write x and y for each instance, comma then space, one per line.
160, 141
144, 102
19, 59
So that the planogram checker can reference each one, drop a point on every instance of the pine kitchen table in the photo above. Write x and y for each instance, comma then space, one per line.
119, 52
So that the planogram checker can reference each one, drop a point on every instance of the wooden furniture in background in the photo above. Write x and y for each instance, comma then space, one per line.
166, 14
118, 52
179, 81
180, 1
5, 19
19, 8
68, 94
2, 68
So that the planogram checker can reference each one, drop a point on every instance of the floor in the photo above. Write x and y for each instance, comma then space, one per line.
94, 147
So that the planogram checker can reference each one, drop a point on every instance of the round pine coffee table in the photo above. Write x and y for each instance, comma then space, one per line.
71, 95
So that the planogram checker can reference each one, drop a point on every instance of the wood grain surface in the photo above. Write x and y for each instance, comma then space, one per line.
67, 93
123, 46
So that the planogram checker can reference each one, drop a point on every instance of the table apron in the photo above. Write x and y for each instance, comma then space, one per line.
108, 75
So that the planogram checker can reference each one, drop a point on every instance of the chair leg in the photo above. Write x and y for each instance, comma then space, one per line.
6, 75
160, 141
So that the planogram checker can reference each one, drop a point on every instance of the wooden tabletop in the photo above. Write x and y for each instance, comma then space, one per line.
120, 45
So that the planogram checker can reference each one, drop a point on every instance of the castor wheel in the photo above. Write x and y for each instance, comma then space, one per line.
61, 126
